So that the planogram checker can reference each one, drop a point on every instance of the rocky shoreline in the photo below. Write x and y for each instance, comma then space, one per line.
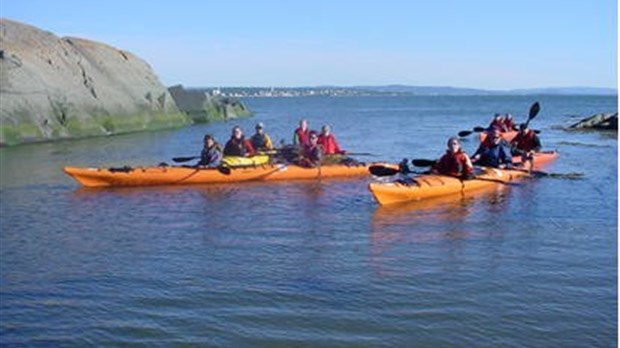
601, 121
63, 88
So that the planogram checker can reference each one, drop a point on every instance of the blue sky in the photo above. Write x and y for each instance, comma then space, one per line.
469, 43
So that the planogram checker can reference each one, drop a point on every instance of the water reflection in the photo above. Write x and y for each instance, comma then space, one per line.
442, 219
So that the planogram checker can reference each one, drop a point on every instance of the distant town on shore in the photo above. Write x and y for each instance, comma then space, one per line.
391, 90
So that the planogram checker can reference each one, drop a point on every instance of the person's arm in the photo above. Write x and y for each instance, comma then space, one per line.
439, 166
537, 144
268, 143
476, 157
216, 160
337, 147
249, 148
296, 140
507, 156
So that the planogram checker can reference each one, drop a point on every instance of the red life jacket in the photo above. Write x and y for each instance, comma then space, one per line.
329, 144
525, 142
509, 124
303, 136
454, 164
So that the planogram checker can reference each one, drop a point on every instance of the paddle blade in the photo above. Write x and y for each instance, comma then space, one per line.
479, 129
378, 170
464, 133
184, 159
423, 162
534, 109
224, 170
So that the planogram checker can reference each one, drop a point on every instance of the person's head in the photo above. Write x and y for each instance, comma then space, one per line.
523, 128
326, 130
303, 124
509, 116
454, 145
314, 137
208, 140
260, 128
237, 133
497, 117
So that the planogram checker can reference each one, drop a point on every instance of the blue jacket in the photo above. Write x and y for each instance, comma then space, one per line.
495, 155
211, 157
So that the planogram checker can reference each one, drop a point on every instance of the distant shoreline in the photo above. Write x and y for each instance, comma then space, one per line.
394, 91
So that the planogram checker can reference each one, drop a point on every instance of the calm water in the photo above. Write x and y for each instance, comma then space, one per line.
314, 263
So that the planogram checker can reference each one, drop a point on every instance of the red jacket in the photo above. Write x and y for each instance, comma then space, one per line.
301, 137
329, 144
526, 142
454, 164
241, 147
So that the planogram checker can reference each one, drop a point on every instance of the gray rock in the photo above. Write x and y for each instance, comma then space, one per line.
202, 106
604, 121
53, 87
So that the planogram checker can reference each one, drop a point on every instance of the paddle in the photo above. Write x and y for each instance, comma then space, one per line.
423, 162
379, 170
534, 109
185, 159
222, 169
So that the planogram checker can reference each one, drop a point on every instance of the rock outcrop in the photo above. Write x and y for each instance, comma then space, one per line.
53, 87
202, 106
604, 121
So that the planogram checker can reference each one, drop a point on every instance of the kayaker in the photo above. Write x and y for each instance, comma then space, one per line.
313, 152
260, 140
329, 143
211, 155
454, 162
509, 123
525, 143
497, 123
302, 134
493, 153
238, 145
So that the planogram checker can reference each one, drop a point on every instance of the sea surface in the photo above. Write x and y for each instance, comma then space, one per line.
315, 263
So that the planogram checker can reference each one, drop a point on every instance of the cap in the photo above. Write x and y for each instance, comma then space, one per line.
260, 125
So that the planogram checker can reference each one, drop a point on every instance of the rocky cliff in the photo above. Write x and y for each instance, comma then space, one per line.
53, 87
202, 106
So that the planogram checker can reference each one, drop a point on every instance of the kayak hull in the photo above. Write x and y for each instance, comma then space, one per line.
430, 186
152, 176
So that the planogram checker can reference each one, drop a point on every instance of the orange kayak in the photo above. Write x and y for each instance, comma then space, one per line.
151, 176
431, 185
508, 136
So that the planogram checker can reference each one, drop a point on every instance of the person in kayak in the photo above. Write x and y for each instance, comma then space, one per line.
260, 140
494, 152
497, 123
301, 137
238, 145
313, 152
454, 162
509, 123
329, 143
525, 143
211, 155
